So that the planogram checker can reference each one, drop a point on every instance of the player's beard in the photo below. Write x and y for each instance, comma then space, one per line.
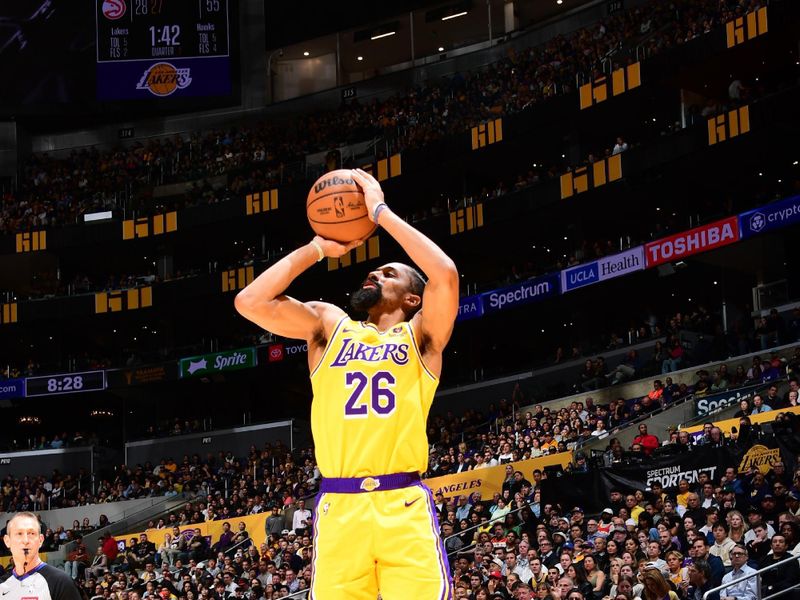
365, 298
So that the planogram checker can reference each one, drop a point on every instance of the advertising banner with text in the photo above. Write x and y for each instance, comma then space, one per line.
206, 364
489, 480
707, 404
603, 269
727, 424
769, 217
700, 239
532, 290
12, 388
591, 490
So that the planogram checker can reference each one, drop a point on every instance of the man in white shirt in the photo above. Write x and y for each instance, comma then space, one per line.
620, 146
743, 590
301, 521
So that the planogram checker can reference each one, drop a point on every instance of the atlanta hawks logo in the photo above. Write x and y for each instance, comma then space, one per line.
114, 9
162, 79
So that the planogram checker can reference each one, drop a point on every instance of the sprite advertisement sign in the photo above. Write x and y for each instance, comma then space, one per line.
218, 362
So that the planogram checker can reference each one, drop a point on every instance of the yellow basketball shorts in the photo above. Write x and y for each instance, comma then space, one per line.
375, 542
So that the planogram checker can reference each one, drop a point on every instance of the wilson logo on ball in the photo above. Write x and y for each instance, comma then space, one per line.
162, 79
114, 9
321, 185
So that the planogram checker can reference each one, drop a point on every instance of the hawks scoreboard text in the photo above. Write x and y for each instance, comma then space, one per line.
158, 48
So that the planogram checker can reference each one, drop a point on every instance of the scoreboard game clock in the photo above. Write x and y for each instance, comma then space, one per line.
160, 48
67, 383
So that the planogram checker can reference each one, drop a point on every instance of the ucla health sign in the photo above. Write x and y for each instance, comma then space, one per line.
12, 388
582, 275
769, 217
603, 269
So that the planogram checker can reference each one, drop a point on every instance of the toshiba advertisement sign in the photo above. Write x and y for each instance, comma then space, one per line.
679, 246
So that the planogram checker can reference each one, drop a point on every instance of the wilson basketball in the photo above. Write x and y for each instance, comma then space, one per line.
336, 209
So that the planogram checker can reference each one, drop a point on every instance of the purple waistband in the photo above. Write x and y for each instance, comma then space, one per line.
358, 485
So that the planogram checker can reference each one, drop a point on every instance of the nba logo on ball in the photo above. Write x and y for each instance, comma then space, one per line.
162, 79
338, 207
114, 9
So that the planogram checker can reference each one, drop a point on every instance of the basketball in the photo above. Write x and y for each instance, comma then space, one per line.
336, 209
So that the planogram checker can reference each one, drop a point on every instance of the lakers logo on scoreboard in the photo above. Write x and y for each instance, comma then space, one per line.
114, 9
162, 79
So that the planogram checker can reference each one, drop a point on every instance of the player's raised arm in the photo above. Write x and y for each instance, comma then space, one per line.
440, 299
264, 303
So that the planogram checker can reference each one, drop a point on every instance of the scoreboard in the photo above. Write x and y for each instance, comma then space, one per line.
159, 48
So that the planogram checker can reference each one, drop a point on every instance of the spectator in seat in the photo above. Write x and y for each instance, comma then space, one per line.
759, 406
198, 546
77, 559
647, 441
626, 369
242, 536
744, 590
779, 578
225, 539
701, 553
168, 550
700, 581
141, 552
620, 146
674, 358
301, 520
275, 522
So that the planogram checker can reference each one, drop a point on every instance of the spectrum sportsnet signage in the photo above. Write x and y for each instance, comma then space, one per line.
603, 269
678, 246
716, 402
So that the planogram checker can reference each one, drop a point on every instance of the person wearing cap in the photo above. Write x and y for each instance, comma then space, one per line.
756, 515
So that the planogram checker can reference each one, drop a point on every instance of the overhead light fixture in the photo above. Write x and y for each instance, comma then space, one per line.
559, 2
441, 49
306, 53
359, 58
448, 17
382, 35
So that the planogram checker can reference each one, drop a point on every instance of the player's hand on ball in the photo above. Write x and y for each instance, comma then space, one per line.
333, 249
373, 194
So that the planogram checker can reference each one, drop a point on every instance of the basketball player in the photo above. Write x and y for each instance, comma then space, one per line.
375, 527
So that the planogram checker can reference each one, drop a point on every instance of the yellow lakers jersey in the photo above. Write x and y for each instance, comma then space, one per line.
372, 394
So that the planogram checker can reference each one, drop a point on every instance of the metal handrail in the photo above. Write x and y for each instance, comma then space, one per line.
757, 574
489, 522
